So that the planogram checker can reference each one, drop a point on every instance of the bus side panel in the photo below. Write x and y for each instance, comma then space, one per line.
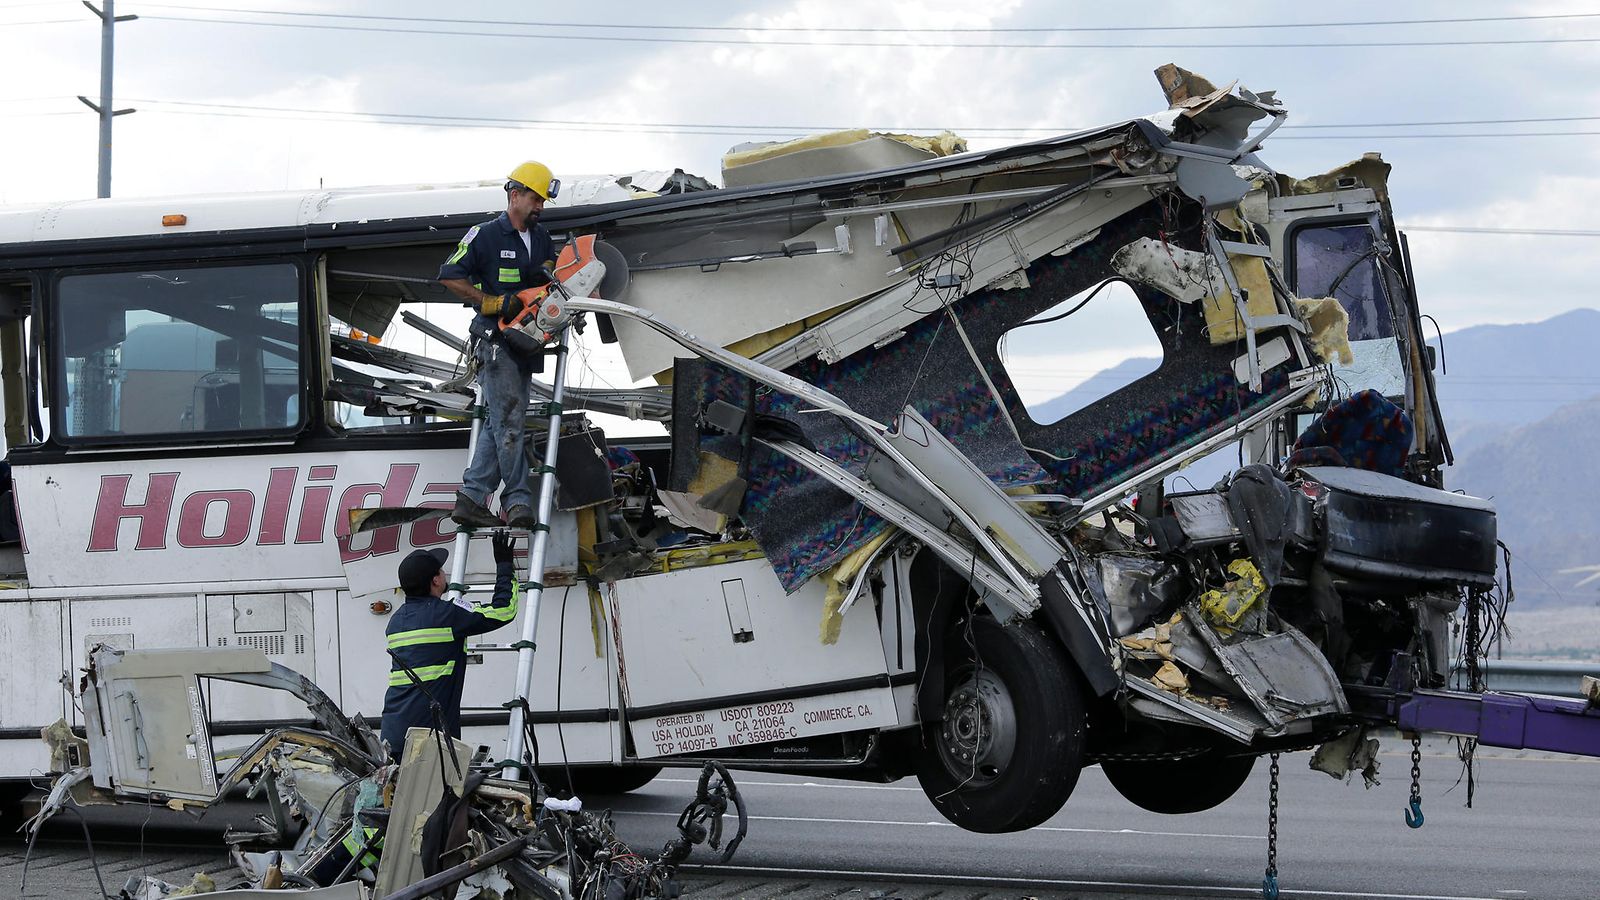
132, 623
719, 656
573, 697
278, 624
30, 694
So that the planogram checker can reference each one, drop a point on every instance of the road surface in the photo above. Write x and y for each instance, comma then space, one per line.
1530, 835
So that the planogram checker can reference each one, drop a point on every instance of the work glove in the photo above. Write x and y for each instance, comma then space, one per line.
501, 542
506, 306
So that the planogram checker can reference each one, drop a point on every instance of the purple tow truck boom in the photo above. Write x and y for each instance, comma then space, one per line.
1515, 721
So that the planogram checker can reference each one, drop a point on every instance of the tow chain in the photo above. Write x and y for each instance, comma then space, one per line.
1414, 811
1269, 884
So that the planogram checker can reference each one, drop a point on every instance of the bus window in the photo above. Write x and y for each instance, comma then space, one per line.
1342, 261
177, 351
1080, 351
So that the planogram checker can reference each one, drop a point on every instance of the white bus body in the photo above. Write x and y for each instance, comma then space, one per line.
190, 423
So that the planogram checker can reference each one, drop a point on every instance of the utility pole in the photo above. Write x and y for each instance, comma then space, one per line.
108, 37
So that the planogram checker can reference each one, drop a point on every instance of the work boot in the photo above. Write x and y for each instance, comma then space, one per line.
520, 516
472, 514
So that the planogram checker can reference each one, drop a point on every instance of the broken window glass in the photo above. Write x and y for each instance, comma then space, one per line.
1080, 351
174, 351
1342, 261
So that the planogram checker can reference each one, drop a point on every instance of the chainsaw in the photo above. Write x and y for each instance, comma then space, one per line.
585, 268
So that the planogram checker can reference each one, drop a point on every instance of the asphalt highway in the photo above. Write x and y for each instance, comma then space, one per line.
1530, 835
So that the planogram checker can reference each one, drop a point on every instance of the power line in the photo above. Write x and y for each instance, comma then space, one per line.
748, 131
1453, 122
363, 119
241, 110
880, 29
1525, 231
954, 45
1423, 137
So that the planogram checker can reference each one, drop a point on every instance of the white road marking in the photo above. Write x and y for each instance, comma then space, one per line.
1053, 882
1056, 828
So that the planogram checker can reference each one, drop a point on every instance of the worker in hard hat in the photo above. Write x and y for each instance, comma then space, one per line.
494, 261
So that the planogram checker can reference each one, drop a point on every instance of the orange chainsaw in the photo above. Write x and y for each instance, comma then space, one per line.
585, 268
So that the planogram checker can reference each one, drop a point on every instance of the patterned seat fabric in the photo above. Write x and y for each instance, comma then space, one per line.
1365, 431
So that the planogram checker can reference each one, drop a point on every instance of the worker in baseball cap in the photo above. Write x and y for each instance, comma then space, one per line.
427, 639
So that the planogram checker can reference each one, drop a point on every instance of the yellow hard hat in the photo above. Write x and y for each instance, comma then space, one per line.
536, 177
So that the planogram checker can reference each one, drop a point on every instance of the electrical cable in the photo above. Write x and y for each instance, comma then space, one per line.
561, 661
944, 45
779, 29
1539, 232
805, 128
94, 860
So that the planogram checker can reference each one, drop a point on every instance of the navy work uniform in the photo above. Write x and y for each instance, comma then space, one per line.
429, 635
498, 260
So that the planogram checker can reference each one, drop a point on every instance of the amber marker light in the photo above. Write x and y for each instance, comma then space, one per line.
175, 219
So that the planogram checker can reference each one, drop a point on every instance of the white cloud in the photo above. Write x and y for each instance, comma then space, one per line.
1468, 279
1543, 182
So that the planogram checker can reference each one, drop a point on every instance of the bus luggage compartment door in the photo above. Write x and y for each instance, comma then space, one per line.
719, 657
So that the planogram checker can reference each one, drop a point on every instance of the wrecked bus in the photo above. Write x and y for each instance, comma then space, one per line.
872, 541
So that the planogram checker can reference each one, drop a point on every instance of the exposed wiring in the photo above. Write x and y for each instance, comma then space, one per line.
561, 663
1444, 369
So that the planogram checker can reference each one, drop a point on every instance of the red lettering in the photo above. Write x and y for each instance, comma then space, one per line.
394, 491
240, 509
112, 506
313, 515
275, 511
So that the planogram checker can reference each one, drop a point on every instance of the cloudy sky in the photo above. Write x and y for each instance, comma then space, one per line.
357, 92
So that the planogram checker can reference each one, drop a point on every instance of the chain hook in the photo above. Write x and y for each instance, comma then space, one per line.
1269, 883
1414, 814
1414, 809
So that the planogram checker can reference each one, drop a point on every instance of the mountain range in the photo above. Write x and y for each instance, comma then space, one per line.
1522, 410
1521, 406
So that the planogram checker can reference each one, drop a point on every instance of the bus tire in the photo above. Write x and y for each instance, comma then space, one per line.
1178, 786
1007, 753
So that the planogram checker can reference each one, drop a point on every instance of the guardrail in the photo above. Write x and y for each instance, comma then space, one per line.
1556, 678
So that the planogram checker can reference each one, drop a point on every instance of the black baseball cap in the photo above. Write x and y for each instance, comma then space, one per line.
419, 567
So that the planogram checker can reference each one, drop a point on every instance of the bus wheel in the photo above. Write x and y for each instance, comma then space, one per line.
1008, 751
1176, 786
601, 779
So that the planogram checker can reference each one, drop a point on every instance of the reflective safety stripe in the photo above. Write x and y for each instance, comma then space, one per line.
353, 846
509, 275
461, 249
421, 636
504, 613
426, 673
